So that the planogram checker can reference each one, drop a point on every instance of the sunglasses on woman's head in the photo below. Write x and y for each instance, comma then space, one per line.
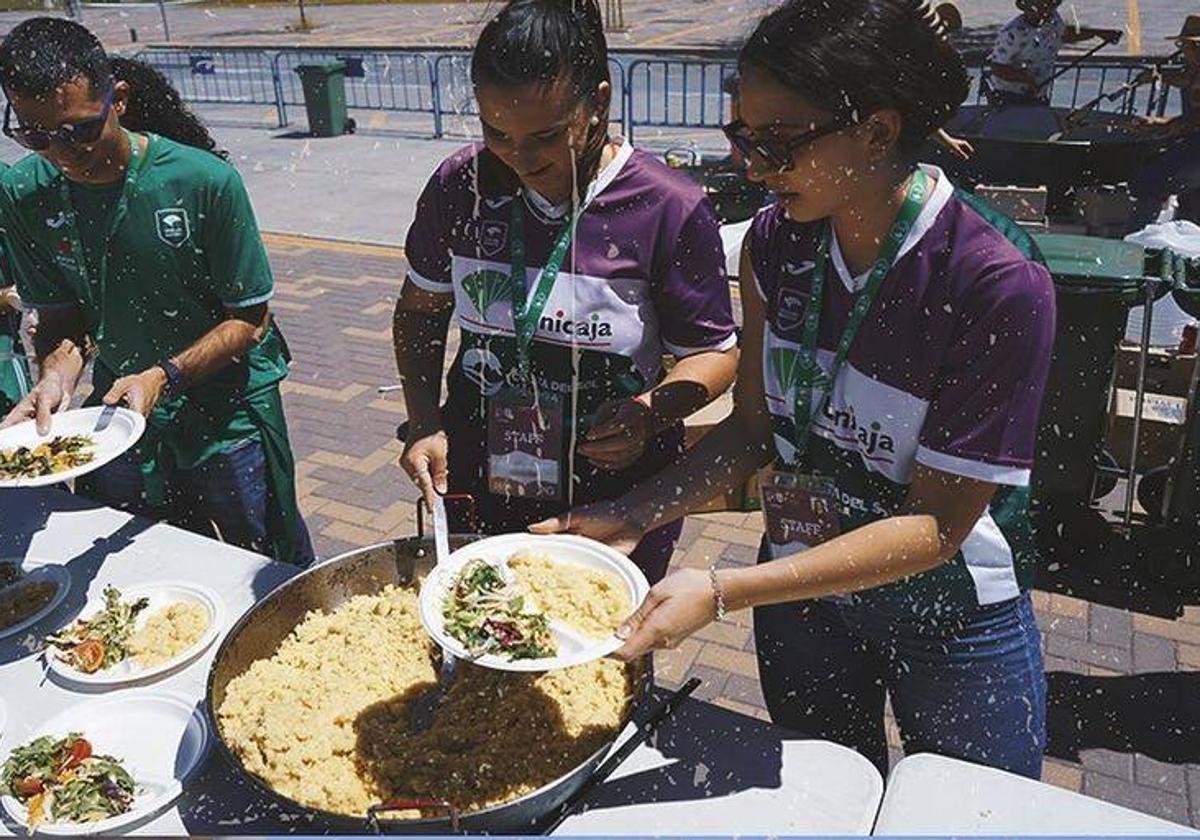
68, 134
778, 154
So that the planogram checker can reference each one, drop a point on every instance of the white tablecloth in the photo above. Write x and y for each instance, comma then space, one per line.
709, 770
929, 794
102, 546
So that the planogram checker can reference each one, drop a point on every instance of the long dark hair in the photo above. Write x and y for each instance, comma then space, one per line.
154, 105
855, 57
549, 42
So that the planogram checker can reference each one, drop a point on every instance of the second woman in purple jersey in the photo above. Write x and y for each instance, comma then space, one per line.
895, 348
571, 263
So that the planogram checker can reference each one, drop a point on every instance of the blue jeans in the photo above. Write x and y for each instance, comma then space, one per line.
972, 687
225, 497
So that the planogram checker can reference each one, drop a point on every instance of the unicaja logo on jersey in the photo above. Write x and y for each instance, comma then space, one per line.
485, 287
589, 328
790, 370
872, 440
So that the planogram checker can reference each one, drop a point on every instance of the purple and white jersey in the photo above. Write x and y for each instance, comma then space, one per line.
645, 275
947, 371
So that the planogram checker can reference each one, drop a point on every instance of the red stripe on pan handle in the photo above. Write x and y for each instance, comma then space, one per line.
411, 804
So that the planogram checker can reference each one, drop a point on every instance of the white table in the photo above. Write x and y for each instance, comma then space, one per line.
929, 794
708, 771
102, 546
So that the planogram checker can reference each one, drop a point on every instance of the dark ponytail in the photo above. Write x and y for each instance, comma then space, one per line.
154, 105
855, 57
548, 43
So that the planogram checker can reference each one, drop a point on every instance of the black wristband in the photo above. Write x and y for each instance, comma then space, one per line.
175, 382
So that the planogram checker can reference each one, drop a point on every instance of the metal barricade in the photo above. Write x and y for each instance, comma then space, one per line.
648, 92
224, 76
1089, 81
376, 80
455, 96
616, 111
677, 93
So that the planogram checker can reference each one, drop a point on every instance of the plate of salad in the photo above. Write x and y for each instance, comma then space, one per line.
104, 764
136, 633
520, 602
76, 445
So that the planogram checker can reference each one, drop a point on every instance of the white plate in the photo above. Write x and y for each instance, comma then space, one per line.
160, 737
3, 716
123, 431
38, 571
160, 595
574, 648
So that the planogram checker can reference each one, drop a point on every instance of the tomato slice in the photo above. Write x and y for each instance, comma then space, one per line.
74, 755
29, 786
89, 655
81, 749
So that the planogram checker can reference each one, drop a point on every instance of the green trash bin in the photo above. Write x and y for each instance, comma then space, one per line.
325, 97
1096, 282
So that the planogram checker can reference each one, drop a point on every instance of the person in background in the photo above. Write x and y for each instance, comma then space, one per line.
14, 367
572, 262
1176, 171
1022, 60
951, 21
154, 106
144, 255
895, 349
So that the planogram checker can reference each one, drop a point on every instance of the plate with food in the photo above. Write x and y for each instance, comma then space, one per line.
521, 602
78, 443
29, 591
104, 764
136, 633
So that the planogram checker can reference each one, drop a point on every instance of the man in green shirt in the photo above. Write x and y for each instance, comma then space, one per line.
144, 254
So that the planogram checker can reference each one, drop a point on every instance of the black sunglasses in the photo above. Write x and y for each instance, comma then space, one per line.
779, 154
68, 134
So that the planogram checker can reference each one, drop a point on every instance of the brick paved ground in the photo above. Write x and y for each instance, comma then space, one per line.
1124, 686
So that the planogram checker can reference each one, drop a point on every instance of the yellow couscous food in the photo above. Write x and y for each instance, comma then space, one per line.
593, 601
168, 632
324, 720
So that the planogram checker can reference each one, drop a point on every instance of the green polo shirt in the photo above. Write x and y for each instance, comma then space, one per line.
153, 264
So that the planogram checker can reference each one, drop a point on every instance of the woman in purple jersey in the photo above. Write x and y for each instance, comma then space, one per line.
571, 263
895, 350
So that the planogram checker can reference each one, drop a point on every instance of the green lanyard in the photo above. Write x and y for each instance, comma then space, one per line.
810, 379
137, 162
527, 310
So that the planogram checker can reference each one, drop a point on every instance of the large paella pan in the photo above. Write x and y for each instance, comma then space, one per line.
503, 752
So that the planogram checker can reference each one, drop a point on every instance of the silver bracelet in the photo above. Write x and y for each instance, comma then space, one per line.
718, 595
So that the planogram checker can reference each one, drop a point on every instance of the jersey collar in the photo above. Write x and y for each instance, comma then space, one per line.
550, 212
943, 190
